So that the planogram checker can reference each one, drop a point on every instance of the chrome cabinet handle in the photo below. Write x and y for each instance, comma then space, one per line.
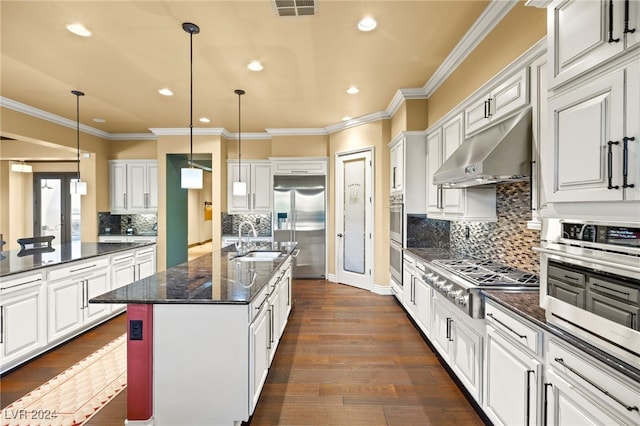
449, 321
490, 315
83, 268
82, 284
124, 199
601, 389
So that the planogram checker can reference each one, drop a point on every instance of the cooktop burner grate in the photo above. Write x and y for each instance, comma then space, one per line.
485, 273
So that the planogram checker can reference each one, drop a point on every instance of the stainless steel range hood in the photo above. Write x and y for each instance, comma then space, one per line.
501, 153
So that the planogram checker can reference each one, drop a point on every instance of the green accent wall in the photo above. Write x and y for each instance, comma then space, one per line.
177, 209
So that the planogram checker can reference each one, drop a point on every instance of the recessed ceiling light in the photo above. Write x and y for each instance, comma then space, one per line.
255, 66
99, 120
79, 29
165, 92
346, 118
204, 120
367, 24
353, 90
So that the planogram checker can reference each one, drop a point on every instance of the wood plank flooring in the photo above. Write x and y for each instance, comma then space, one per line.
347, 356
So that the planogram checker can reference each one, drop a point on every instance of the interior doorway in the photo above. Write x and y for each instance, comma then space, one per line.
354, 218
55, 211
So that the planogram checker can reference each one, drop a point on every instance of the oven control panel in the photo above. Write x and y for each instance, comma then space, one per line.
627, 236
455, 293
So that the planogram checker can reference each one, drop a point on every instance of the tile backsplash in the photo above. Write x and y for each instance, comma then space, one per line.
423, 232
262, 223
117, 224
508, 240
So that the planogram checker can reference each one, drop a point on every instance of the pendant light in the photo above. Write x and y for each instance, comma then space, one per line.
239, 187
77, 186
191, 177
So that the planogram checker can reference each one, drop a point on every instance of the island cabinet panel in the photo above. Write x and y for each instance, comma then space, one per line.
201, 364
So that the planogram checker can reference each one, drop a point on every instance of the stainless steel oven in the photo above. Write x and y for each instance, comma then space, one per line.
590, 282
396, 219
395, 262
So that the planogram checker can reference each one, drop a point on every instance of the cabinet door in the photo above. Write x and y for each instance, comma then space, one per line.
451, 140
261, 187
441, 327
633, 38
566, 405
118, 186
583, 121
513, 382
274, 313
283, 299
580, 37
466, 356
477, 115
434, 160
152, 185
632, 127
96, 283
259, 356
408, 287
136, 186
22, 322
122, 270
65, 301
423, 304
397, 167
145, 263
238, 203
510, 95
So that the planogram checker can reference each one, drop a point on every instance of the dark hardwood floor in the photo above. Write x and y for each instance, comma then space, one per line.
347, 356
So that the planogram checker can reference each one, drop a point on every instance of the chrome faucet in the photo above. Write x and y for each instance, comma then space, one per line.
240, 246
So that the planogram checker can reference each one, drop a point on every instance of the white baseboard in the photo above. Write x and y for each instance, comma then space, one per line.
332, 278
384, 290
148, 422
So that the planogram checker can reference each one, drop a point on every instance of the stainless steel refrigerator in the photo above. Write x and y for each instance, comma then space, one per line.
299, 215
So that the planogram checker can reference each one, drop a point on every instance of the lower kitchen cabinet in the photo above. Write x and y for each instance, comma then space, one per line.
69, 291
513, 382
22, 317
579, 390
459, 342
417, 294
259, 349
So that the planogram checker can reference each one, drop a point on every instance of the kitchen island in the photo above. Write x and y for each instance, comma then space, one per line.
202, 334
44, 292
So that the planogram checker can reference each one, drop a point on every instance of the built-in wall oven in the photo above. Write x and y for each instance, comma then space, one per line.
590, 282
396, 234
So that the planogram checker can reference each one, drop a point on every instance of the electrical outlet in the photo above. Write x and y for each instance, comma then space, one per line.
135, 330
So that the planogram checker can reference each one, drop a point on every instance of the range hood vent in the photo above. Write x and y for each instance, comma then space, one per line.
295, 7
501, 153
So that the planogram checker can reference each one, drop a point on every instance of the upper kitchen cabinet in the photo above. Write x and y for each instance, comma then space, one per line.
299, 166
585, 34
259, 179
465, 203
408, 152
495, 103
593, 151
133, 186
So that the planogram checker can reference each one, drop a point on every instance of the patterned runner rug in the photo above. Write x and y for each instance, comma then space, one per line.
75, 395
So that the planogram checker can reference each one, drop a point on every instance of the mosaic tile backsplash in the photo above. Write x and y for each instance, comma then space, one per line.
117, 224
262, 223
508, 240
423, 232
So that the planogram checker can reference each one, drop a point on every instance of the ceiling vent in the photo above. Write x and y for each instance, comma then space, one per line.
295, 7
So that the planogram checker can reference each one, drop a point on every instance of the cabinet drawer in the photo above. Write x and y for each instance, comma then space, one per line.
595, 379
78, 268
258, 302
518, 330
562, 274
19, 282
122, 257
409, 260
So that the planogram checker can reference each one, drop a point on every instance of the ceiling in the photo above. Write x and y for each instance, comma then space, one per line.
138, 47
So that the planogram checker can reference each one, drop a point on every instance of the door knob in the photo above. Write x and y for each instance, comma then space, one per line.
340, 235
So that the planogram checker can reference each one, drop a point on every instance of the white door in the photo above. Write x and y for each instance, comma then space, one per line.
354, 218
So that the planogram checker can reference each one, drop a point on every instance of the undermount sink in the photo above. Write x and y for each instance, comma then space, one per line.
258, 256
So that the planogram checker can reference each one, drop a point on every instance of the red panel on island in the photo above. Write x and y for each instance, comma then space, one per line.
139, 362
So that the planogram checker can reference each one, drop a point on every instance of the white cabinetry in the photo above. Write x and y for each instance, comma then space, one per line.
131, 266
259, 350
22, 317
458, 339
408, 153
589, 145
125, 239
477, 203
581, 390
299, 166
416, 294
133, 186
585, 34
259, 179
496, 103
69, 291
513, 369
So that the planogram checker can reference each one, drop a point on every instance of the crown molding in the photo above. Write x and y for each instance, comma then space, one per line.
132, 137
491, 16
403, 95
359, 121
185, 131
250, 136
320, 131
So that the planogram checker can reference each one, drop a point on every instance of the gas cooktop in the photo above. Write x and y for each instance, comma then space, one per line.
486, 273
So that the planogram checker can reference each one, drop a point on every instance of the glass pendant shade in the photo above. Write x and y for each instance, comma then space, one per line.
191, 178
239, 188
78, 187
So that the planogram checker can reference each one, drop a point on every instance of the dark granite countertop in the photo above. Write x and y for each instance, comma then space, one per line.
17, 261
210, 279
